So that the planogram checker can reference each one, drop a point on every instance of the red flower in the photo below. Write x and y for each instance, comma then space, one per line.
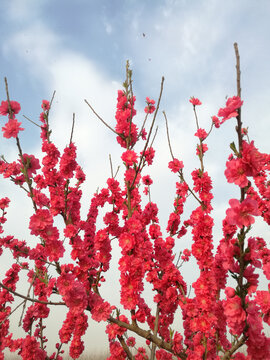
129, 157
131, 341
236, 172
101, 311
126, 241
150, 108
12, 128
229, 111
39, 221
201, 133
230, 292
45, 105
202, 149
32, 164
4, 203
240, 214
147, 180
194, 101
216, 121
149, 155
252, 158
75, 297
68, 162
235, 314
15, 107
175, 165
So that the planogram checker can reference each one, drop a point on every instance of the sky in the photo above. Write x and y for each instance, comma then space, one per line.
79, 49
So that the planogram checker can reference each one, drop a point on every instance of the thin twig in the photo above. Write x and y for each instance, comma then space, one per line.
20, 304
140, 133
25, 301
201, 142
53, 95
72, 129
100, 118
155, 134
8, 100
168, 136
26, 173
110, 158
125, 347
238, 72
181, 173
129, 82
118, 167
238, 85
147, 334
31, 121
153, 350
30, 299
150, 131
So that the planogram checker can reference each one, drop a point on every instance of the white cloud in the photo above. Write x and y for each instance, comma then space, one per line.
108, 27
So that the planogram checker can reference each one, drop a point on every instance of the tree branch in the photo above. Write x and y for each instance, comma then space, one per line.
30, 299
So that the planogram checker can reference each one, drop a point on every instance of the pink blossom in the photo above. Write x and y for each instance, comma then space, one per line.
201, 148
216, 121
75, 297
194, 101
45, 105
201, 134
232, 104
129, 157
230, 292
150, 108
149, 155
235, 314
15, 107
4, 203
240, 214
147, 180
101, 311
39, 221
31, 163
175, 165
236, 172
12, 128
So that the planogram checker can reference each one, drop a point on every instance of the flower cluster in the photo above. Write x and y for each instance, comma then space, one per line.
80, 250
12, 127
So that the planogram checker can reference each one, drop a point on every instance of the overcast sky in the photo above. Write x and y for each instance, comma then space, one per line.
79, 48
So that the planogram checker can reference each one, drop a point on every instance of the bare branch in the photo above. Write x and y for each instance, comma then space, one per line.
150, 131
238, 72
125, 347
31, 121
235, 347
153, 350
53, 95
168, 136
155, 134
100, 118
72, 129
110, 158
17, 307
147, 334
8, 100
30, 299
